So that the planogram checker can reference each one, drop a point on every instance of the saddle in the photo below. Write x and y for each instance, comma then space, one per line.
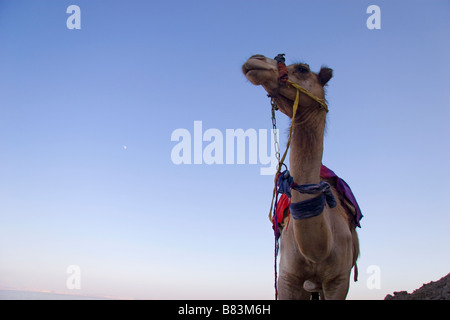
344, 193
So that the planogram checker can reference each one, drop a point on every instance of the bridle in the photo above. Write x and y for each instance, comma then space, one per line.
283, 79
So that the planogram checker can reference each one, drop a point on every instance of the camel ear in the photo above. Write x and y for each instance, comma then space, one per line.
325, 75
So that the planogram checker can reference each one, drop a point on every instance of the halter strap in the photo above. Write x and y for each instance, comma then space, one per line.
283, 79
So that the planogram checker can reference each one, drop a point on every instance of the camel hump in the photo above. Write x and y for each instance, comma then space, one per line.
311, 286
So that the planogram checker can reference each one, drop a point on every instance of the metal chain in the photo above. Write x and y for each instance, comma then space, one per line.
277, 155
274, 131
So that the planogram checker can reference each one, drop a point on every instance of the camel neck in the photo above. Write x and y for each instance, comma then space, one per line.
306, 153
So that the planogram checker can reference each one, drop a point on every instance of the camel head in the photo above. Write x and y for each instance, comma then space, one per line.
260, 70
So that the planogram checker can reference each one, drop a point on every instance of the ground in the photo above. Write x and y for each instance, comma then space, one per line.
435, 290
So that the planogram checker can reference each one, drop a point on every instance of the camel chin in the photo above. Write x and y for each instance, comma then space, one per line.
252, 76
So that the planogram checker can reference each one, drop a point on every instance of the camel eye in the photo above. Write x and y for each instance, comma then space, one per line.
302, 69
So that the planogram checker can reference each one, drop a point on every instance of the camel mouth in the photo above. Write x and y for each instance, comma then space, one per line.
246, 69
256, 63
253, 74
260, 70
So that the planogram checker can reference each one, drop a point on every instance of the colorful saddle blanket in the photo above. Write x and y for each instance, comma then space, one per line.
345, 194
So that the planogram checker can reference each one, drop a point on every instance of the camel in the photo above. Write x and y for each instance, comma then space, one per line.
316, 253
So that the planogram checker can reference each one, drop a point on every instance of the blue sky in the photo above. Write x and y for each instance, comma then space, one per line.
140, 226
